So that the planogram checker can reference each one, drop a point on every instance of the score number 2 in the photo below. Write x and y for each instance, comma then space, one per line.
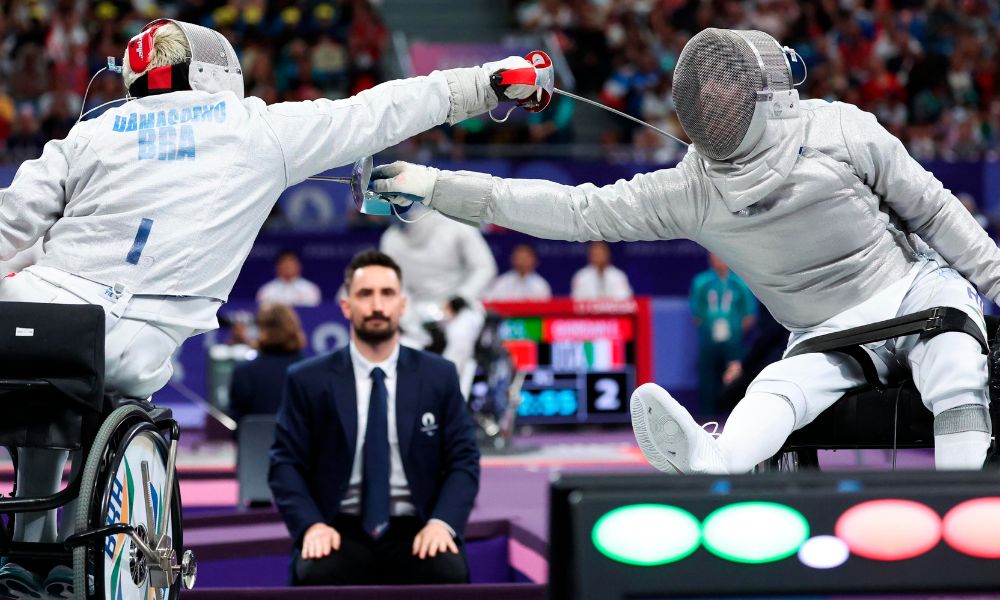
608, 398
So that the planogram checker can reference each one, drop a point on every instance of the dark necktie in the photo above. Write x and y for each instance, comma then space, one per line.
375, 481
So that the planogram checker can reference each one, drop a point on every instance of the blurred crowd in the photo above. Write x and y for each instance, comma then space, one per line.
289, 50
927, 69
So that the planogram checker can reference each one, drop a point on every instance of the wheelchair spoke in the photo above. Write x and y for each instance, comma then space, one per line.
171, 472
148, 500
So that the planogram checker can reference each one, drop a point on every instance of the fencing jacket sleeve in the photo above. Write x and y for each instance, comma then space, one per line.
929, 210
35, 199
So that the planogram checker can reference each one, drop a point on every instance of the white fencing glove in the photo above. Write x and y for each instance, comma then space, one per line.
516, 91
403, 183
472, 93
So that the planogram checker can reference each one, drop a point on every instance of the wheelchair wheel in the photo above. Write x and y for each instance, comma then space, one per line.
111, 491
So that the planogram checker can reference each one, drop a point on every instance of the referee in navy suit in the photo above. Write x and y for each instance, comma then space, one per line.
375, 466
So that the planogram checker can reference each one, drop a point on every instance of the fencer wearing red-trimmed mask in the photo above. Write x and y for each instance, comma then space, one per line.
151, 208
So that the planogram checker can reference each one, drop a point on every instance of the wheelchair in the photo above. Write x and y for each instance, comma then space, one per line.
128, 531
877, 416
495, 394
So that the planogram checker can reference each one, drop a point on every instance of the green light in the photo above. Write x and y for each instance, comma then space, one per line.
755, 532
646, 534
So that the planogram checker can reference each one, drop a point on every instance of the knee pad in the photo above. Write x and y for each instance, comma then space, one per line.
968, 417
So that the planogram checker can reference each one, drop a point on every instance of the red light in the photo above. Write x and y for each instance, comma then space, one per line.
973, 527
889, 529
585, 330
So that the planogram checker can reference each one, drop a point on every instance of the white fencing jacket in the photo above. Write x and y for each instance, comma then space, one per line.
165, 194
440, 259
826, 211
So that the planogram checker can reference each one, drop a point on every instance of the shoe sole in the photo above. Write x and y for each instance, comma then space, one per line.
650, 417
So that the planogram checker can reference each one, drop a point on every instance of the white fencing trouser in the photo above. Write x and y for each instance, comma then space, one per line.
462, 332
137, 364
949, 370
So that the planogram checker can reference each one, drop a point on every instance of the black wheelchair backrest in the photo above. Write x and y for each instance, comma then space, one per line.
62, 344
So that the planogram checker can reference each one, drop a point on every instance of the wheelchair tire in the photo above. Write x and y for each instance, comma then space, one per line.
126, 427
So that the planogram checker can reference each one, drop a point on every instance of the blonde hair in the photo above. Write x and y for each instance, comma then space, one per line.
170, 47
280, 329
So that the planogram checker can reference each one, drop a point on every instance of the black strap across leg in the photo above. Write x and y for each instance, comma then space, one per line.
927, 323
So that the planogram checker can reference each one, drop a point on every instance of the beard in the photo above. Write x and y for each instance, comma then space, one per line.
383, 330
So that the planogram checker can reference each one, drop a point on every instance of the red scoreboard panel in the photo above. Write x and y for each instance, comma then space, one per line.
582, 359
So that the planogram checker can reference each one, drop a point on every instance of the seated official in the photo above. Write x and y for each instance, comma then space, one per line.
375, 467
522, 282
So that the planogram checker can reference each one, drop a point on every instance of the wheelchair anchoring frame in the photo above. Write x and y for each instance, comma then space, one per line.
156, 547
60, 498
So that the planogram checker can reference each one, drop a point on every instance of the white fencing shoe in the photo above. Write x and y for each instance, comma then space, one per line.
669, 437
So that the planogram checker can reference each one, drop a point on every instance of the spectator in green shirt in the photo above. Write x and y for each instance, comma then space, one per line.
723, 308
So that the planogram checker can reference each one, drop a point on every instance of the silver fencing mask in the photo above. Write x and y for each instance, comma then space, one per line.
213, 65
720, 78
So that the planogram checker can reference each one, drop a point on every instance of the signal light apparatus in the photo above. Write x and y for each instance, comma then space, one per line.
884, 530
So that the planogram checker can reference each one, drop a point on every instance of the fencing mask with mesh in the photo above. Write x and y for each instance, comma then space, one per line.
212, 63
727, 85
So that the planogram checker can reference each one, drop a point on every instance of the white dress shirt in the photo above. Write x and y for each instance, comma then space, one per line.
297, 292
399, 488
511, 286
591, 284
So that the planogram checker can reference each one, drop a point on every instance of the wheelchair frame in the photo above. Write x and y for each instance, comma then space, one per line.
801, 452
117, 421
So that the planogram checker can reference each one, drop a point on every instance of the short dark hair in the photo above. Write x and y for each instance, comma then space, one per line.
523, 246
369, 258
286, 252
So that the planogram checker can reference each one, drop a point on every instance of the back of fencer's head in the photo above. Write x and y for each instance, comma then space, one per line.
170, 47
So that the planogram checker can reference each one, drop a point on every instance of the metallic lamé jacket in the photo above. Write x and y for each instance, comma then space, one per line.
844, 212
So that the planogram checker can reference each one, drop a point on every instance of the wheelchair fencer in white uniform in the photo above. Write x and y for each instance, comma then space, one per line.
448, 267
150, 209
819, 209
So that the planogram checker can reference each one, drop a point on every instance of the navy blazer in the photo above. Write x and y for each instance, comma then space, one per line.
316, 435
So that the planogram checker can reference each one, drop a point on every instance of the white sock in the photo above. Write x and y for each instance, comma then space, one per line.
756, 430
965, 450
39, 473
